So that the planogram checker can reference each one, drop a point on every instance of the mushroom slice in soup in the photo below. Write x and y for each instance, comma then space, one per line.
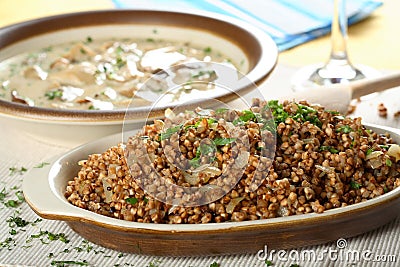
75, 75
35, 72
161, 58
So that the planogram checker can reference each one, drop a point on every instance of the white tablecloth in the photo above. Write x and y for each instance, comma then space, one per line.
19, 150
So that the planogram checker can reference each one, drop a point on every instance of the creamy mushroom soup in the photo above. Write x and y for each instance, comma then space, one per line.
103, 74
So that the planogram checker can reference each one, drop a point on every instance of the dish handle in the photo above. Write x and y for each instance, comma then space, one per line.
38, 193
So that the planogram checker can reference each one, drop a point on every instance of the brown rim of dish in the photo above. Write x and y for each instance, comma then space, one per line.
389, 199
232, 28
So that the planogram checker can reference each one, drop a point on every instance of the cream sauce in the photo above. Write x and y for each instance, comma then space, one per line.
100, 74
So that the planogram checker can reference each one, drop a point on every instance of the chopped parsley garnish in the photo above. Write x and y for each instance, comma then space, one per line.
119, 50
268, 263
15, 221
51, 95
3, 194
369, 151
214, 264
201, 73
221, 110
195, 162
47, 49
67, 263
19, 222
344, 129
89, 40
385, 189
207, 49
333, 112
120, 62
219, 141
305, 113
210, 121
154, 263
203, 150
329, 148
355, 185
386, 147
41, 165
246, 116
131, 200
85, 246
45, 237
209, 149
14, 170
170, 131
279, 114
91, 107
8, 243
388, 163
13, 203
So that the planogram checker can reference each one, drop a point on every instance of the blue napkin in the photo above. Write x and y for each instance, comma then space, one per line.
288, 22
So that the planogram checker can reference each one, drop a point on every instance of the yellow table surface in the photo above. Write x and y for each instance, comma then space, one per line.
12, 11
374, 41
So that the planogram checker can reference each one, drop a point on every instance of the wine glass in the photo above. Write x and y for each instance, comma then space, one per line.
338, 69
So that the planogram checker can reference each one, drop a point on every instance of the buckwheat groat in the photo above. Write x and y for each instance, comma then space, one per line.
275, 159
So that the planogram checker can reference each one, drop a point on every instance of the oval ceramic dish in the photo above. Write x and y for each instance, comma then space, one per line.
244, 44
44, 192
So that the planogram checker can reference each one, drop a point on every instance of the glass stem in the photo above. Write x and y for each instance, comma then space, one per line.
338, 54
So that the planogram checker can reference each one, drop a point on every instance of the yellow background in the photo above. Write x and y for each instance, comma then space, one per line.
374, 41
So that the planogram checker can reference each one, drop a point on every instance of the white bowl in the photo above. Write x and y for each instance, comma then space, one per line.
238, 40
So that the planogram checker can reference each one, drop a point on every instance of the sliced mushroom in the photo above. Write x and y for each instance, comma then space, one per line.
60, 63
75, 75
70, 93
131, 62
394, 151
35, 72
161, 58
110, 93
157, 83
80, 52
100, 105
16, 98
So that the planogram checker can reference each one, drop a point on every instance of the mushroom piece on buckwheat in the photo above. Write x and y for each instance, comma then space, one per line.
273, 159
